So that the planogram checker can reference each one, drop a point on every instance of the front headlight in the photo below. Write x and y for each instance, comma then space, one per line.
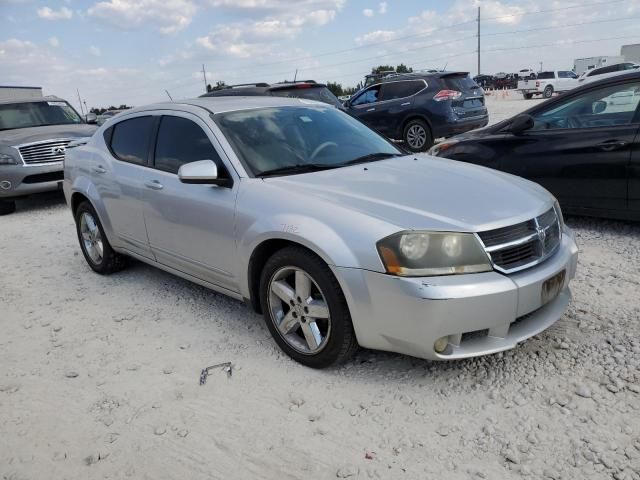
6, 159
424, 254
439, 148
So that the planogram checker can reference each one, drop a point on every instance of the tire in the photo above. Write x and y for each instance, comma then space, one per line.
527, 96
417, 136
548, 92
288, 314
91, 235
7, 207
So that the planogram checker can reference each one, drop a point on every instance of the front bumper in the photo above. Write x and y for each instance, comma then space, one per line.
19, 180
480, 313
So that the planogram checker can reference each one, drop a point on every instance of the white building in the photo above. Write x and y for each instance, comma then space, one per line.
10, 92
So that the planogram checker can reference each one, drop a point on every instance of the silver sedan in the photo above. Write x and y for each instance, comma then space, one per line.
330, 231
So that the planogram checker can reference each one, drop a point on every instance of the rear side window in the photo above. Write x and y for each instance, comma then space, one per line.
460, 83
182, 141
393, 90
130, 139
546, 75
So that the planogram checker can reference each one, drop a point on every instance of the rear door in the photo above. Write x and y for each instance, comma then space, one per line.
397, 103
190, 227
580, 148
119, 180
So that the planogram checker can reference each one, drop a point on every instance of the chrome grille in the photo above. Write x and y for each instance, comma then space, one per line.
523, 245
48, 151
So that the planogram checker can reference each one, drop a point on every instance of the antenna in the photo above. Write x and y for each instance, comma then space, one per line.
80, 101
168, 94
445, 67
204, 74
296, 75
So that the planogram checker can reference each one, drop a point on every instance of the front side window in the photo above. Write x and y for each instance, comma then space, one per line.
267, 139
37, 114
130, 139
604, 107
182, 141
368, 96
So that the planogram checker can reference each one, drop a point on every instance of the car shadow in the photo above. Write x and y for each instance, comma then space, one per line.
40, 201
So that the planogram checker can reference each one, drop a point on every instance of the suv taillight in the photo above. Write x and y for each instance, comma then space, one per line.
443, 95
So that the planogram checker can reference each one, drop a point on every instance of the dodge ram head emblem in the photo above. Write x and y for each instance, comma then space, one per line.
58, 150
542, 234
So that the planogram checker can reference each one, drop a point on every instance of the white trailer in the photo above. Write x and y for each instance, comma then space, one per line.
631, 53
14, 92
581, 65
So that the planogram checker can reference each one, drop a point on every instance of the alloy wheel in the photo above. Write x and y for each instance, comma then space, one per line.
299, 310
416, 136
91, 237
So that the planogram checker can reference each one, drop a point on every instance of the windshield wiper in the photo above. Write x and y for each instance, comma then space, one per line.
298, 168
372, 157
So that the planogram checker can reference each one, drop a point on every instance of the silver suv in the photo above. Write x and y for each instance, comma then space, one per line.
34, 134
324, 227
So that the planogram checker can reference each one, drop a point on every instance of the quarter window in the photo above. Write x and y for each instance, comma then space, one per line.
181, 141
130, 139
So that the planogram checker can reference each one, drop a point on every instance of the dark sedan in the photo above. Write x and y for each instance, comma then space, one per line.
584, 147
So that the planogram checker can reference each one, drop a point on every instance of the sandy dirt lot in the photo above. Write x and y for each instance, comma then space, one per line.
100, 378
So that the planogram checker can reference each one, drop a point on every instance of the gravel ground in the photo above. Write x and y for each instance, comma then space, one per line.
100, 379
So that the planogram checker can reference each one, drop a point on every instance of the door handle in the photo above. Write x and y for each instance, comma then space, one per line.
405, 104
371, 110
154, 185
99, 169
611, 145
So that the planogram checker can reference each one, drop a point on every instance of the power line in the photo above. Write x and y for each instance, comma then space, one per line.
560, 26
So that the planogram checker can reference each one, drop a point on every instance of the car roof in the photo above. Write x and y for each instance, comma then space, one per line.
228, 104
48, 98
260, 88
421, 75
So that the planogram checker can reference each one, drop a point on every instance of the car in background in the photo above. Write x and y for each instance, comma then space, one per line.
324, 226
485, 81
547, 83
34, 134
308, 89
526, 73
607, 72
584, 147
417, 108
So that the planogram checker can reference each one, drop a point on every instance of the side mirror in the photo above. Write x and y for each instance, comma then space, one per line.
599, 106
202, 172
521, 123
91, 118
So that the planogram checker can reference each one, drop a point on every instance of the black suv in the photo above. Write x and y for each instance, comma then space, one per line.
419, 107
308, 89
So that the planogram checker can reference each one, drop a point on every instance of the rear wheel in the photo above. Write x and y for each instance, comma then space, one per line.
528, 96
548, 91
305, 309
94, 244
7, 207
417, 136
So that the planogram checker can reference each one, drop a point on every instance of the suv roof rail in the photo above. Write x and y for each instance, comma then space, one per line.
240, 85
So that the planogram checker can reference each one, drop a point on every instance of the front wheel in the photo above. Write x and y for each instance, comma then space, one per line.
94, 244
548, 92
7, 207
417, 136
305, 309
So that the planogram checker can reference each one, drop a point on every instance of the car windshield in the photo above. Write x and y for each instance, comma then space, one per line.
321, 94
37, 114
295, 139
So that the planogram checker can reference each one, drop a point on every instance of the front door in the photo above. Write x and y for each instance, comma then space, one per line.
190, 227
580, 148
366, 106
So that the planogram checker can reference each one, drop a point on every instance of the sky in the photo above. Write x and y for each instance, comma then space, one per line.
130, 51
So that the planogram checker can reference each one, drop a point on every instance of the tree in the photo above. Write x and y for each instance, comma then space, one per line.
402, 68
382, 68
335, 88
219, 84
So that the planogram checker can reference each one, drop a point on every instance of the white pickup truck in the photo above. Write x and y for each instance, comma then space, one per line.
546, 83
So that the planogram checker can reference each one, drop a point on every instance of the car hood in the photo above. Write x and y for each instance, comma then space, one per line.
424, 192
19, 136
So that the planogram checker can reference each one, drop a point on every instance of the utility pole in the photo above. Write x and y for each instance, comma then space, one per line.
204, 74
478, 40
79, 101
